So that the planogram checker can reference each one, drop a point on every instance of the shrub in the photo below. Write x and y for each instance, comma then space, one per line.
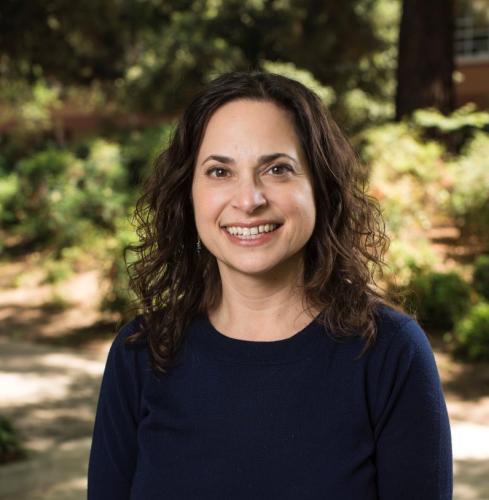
471, 334
10, 445
104, 185
439, 299
468, 201
139, 149
404, 175
454, 130
9, 187
480, 276
396, 149
406, 258
119, 297
55, 197
47, 199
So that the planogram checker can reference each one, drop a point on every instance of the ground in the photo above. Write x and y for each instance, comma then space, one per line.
51, 366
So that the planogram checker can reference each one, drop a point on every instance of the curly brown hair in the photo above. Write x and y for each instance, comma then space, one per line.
174, 283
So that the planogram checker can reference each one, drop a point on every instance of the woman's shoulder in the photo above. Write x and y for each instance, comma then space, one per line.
121, 342
129, 327
397, 329
128, 358
402, 352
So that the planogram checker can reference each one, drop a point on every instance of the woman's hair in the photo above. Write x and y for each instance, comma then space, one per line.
174, 283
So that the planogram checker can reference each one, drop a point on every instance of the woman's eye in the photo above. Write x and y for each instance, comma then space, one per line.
281, 168
216, 169
277, 170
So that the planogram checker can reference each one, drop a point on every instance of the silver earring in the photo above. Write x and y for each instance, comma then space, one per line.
199, 246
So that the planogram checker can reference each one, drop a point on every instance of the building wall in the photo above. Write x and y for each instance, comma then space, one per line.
472, 81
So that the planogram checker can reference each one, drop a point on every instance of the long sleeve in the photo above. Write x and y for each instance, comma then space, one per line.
412, 430
113, 451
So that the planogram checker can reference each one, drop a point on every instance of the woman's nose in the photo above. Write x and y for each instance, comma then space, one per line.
249, 195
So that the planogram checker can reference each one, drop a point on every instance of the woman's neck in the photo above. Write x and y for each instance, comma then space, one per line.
261, 310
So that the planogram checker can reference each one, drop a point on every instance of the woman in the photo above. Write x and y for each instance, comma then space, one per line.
265, 365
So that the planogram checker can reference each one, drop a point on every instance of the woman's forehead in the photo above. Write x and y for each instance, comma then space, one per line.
247, 127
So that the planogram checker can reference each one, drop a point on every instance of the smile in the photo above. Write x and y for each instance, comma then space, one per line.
251, 231
252, 236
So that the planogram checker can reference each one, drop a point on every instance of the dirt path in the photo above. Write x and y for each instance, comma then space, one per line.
50, 394
466, 388
50, 370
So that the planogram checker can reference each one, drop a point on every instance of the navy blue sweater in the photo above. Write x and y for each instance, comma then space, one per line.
297, 418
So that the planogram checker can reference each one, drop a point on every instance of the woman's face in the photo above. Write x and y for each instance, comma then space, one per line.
251, 173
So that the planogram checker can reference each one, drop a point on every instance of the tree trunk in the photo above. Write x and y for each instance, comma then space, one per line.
426, 57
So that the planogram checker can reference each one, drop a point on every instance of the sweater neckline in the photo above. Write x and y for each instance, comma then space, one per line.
301, 345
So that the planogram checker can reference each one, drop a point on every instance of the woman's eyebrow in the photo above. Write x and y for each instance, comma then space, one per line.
261, 160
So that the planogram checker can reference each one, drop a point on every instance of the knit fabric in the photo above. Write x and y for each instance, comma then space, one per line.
298, 418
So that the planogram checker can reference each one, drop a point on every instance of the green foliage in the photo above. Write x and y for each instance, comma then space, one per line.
119, 297
9, 187
465, 117
468, 201
480, 276
397, 149
54, 197
418, 180
357, 108
154, 55
305, 77
140, 148
454, 130
10, 443
404, 175
439, 299
29, 105
104, 184
44, 204
406, 258
471, 334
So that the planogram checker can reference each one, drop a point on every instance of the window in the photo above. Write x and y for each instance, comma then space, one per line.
471, 39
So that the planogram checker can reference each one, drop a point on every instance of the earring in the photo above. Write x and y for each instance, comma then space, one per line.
199, 246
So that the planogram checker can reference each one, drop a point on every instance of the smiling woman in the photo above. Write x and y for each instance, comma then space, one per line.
265, 362
257, 268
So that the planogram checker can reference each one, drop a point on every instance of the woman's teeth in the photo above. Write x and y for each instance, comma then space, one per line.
251, 231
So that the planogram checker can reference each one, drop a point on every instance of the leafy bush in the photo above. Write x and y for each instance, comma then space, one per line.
396, 149
406, 258
472, 334
453, 130
139, 149
468, 201
356, 109
404, 175
54, 197
9, 187
119, 297
439, 299
480, 276
104, 185
45, 200
10, 444
290, 70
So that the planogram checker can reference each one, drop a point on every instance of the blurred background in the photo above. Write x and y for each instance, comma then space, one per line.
89, 93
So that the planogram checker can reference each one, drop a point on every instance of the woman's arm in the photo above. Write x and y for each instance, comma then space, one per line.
114, 443
412, 430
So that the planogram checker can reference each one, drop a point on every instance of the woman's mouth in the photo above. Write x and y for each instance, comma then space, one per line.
252, 236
